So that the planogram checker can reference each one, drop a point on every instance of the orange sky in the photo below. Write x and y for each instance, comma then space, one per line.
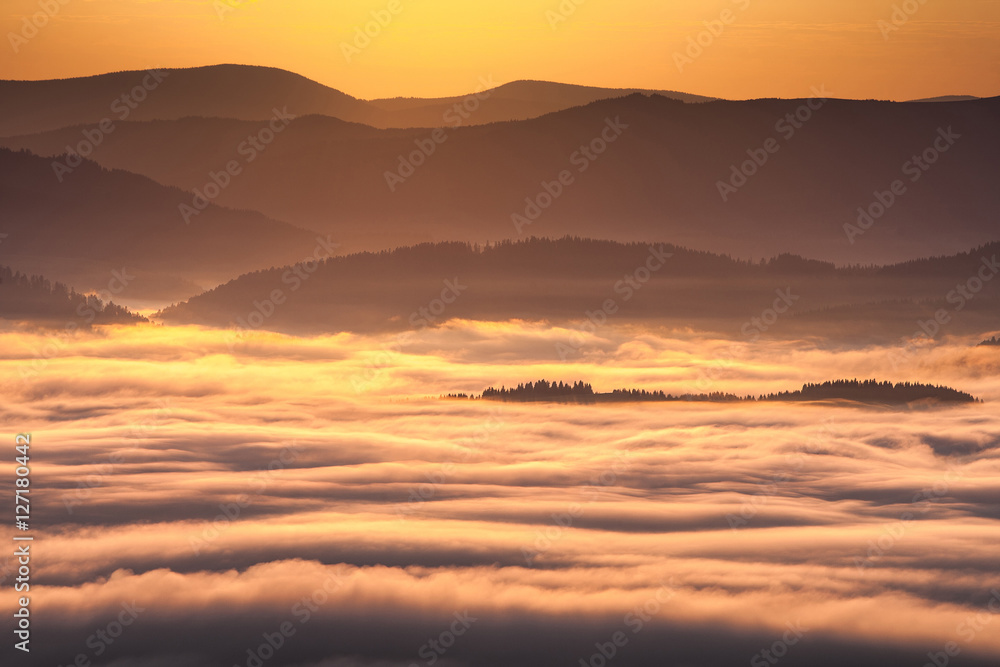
441, 47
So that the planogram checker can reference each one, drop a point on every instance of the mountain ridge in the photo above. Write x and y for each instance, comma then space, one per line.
563, 281
671, 174
93, 221
250, 92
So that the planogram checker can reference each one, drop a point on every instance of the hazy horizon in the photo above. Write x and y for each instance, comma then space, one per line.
477, 86
858, 48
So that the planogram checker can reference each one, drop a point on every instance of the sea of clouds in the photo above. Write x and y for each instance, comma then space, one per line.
268, 500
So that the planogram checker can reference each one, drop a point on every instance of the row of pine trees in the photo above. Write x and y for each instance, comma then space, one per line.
871, 391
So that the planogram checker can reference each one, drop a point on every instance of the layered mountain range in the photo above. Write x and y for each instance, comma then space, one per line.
191, 177
586, 285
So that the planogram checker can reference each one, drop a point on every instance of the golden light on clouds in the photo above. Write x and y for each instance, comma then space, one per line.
748, 48
256, 481
321, 478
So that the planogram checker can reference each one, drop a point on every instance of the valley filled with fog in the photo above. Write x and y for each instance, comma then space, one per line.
228, 484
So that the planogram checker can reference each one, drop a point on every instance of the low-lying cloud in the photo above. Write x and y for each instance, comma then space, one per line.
226, 492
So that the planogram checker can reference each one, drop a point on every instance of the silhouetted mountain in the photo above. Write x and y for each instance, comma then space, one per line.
659, 178
224, 91
252, 93
949, 98
97, 221
572, 280
35, 299
868, 391
995, 341
518, 100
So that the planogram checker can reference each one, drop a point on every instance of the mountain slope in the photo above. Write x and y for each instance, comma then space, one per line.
949, 98
248, 92
95, 221
570, 280
227, 91
36, 299
667, 172
518, 100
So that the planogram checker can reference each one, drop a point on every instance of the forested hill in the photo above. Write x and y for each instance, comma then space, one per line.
570, 279
873, 391
861, 391
36, 299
